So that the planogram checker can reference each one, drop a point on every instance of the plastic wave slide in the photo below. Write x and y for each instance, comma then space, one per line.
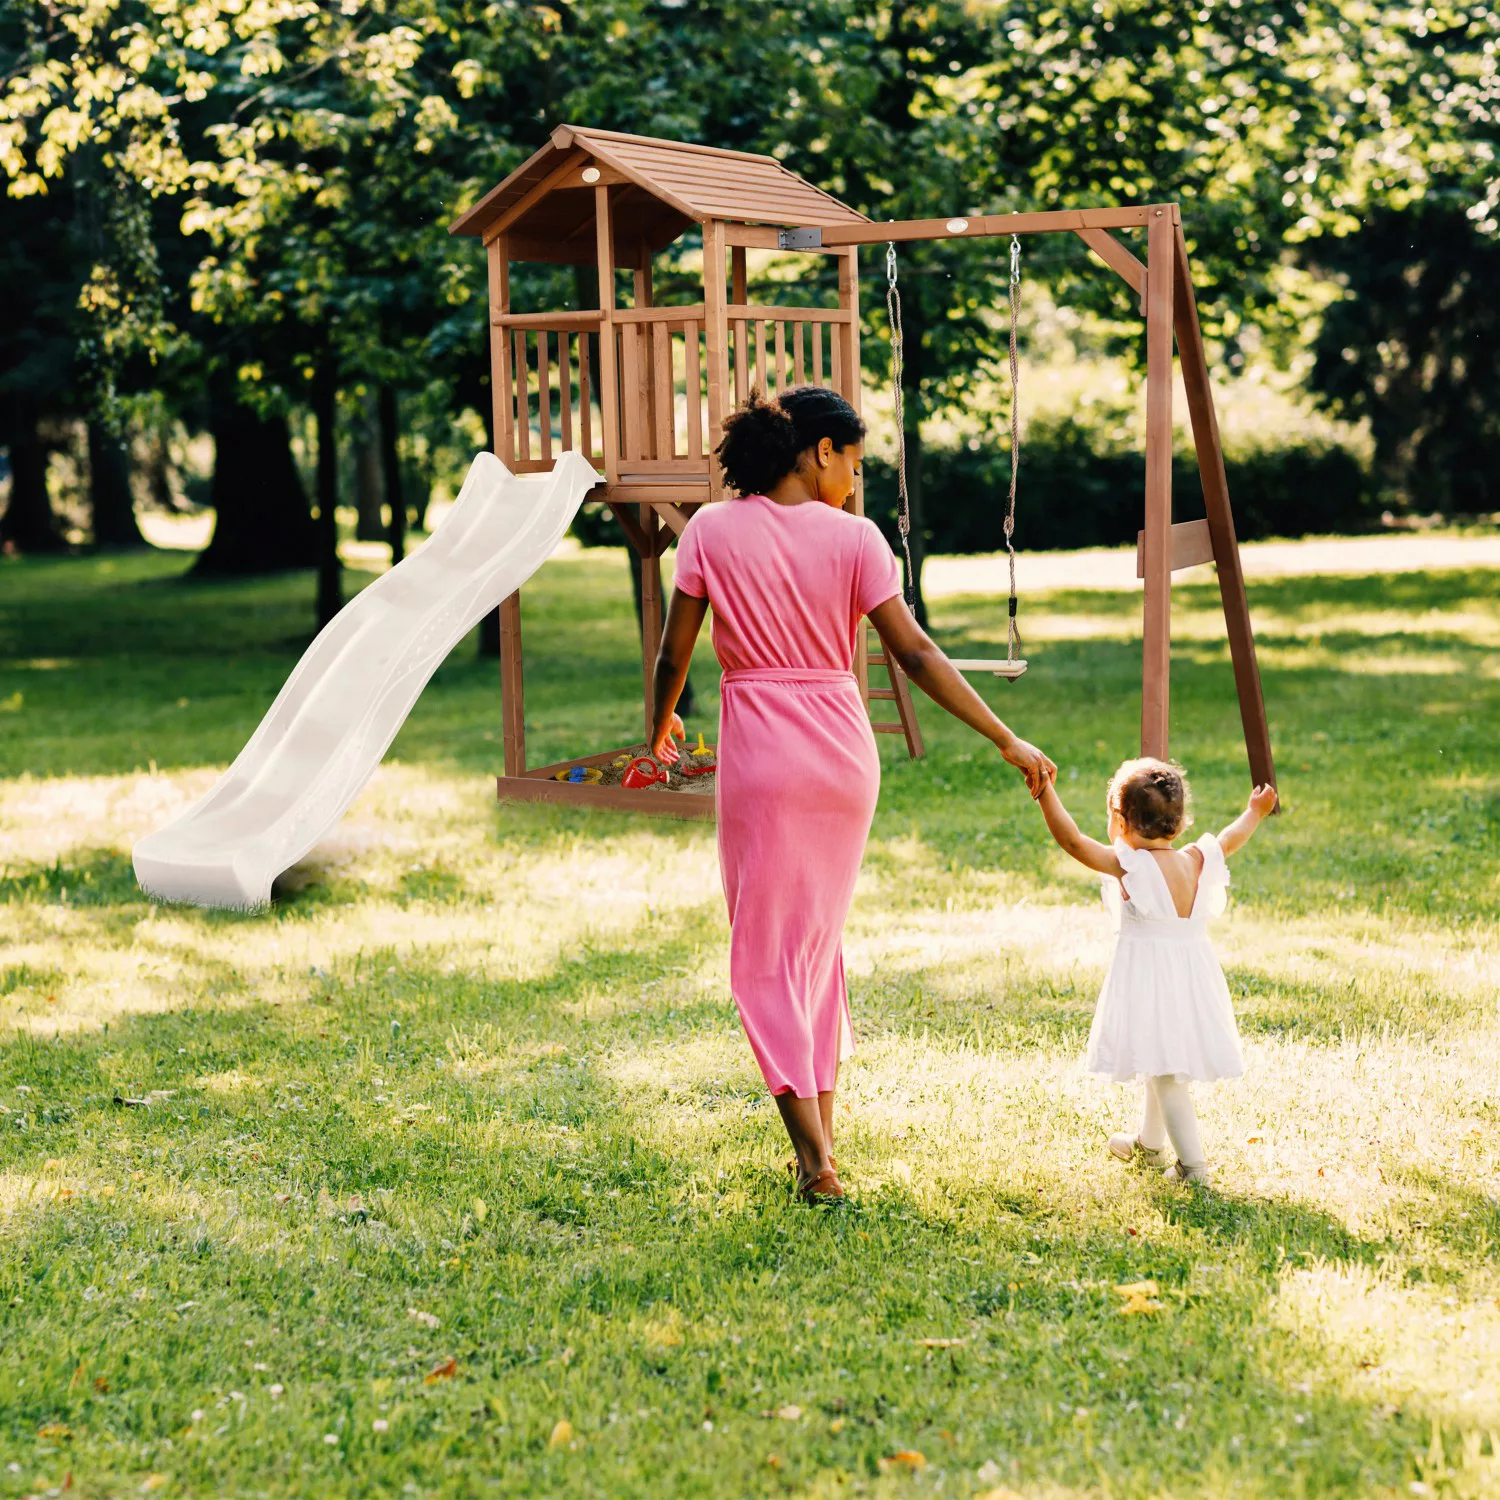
340, 709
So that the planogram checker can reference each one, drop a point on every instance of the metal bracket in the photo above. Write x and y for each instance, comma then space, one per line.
800, 239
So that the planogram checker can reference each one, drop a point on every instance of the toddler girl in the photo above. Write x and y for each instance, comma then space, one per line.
1164, 1014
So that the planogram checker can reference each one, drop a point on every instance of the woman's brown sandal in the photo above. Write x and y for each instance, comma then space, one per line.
824, 1188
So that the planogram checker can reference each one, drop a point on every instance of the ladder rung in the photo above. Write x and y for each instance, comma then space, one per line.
888, 728
877, 659
883, 693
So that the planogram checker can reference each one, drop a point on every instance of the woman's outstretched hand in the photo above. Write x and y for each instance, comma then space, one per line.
1033, 764
664, 750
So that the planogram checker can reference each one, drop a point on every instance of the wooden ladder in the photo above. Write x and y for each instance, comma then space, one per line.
899, 693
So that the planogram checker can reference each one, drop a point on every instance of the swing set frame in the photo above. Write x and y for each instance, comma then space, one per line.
1164, 285
642, 391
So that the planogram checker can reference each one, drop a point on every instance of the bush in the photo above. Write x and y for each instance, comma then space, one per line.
1080, 487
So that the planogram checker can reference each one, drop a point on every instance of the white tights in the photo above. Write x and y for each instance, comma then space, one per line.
1169, 1114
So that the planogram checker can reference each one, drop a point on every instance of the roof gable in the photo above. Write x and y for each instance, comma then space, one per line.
691, 183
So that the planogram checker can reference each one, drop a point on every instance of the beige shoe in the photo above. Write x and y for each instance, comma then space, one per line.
1128, 1148
1198, 1176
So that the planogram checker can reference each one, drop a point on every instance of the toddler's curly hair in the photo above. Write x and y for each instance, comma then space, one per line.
1152, 797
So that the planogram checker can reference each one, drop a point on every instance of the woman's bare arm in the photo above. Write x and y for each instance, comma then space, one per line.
914, 651
673, 657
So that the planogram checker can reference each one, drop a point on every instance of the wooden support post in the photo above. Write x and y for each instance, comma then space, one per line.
501, 396
716, 345
1156, 663
743, 331
645, 393
650, 566
513, 699
846, 346
1226, 549
608, 372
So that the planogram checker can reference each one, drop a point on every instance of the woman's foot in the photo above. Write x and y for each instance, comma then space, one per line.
824, 1187
791, 1164
1128, 1148
1198, 1176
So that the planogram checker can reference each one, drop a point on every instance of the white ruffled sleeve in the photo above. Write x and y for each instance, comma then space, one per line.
1144, 885
1213, 883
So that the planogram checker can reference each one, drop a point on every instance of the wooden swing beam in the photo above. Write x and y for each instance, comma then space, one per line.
1164, 284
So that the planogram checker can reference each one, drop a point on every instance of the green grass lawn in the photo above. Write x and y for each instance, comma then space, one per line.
454, 1175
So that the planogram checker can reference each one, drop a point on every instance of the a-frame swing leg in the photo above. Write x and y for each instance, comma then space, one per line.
1156, 651
1220, 519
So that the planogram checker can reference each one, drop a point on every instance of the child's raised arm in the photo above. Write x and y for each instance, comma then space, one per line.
1087, 851
1237, 834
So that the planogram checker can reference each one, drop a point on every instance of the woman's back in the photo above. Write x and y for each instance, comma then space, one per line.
788, 583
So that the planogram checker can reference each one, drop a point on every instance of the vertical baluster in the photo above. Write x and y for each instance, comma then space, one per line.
780, 358
835, 343
523, 404
799, 367
544, 392
816, 330
585, 397
632, 391
693, 375
565, 386
741, 360
666, 397
762, 359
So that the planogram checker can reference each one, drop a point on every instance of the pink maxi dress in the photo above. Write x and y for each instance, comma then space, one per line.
798, 771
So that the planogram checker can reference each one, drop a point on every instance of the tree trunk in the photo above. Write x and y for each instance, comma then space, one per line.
262, 521
390, 430
369, 484
330, 580
28, 524
109, 490
912, 369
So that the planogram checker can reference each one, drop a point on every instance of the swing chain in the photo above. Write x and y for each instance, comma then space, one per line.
1014, 297
903, 500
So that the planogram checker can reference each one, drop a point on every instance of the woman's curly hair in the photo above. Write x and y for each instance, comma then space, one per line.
764, 440
1152, 797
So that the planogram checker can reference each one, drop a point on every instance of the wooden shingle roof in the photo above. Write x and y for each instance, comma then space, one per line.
688, 183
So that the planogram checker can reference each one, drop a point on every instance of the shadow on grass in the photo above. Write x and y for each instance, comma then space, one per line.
295, 1210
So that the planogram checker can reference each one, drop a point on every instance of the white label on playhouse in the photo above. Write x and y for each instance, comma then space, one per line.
957, 226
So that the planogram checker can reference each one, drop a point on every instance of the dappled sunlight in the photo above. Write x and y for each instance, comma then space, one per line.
1383, 1339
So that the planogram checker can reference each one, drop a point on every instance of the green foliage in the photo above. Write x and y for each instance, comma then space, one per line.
1081, 485
1413, 347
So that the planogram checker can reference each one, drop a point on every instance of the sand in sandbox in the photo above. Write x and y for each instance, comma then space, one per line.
694, 786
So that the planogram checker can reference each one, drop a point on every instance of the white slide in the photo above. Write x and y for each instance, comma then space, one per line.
340, 709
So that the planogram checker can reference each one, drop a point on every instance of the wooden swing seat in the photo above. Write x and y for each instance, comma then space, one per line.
1008, 669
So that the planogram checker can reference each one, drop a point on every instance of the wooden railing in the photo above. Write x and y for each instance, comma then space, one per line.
547, 368
549, 372
775, 348
663, 383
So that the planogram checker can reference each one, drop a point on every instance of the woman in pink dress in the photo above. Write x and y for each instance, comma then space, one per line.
790, 574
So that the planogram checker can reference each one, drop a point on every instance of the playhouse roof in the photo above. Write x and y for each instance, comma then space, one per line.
667, 186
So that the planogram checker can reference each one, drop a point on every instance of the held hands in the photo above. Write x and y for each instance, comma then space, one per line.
1038, 768
663, 749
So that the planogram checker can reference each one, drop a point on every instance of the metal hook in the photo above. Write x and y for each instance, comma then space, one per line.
1015, 259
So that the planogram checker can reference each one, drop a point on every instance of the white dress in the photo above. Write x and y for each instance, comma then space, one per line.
1165, 1007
